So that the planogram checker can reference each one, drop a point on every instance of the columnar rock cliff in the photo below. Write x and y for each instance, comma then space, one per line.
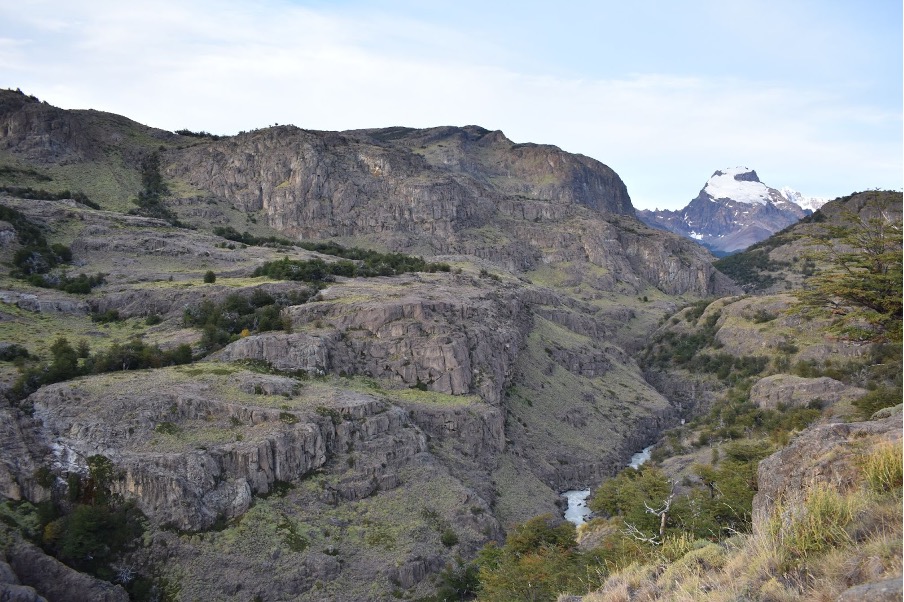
394, 423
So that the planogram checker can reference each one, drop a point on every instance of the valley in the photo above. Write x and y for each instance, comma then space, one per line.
306, 365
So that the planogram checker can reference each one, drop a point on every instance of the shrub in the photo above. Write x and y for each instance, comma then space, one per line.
448, 537
111, 315
230, 233
167, 428
458, 582
93, 535
750, 269
11, 352
223, 322
875, 400
26, 192
538, 561
210, 277
371, 264
288, 417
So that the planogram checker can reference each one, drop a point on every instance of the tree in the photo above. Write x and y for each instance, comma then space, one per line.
862, 285
538, 561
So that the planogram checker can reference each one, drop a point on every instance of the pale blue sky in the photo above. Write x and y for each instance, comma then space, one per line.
807, 93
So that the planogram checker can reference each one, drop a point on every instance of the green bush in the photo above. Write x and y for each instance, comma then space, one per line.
26, 192
35, 260
92, 536
875, 400
222, 323
111, 315
457, 582
230, 233
65, 365
751, 269
209, 277
369, 264
538, 561
12, 352
448, 537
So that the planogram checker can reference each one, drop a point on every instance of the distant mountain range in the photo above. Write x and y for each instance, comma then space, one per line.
733, 211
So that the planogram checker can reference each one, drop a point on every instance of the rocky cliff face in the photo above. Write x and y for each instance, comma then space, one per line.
46, 135
400, 421
407, 182
177, 436
447, 191
452, 334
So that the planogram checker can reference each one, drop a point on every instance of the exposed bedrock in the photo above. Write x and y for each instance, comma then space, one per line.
189, 458
427, 334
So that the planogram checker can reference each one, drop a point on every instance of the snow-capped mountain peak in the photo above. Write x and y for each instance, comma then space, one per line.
738, 184
733, 211
811, 203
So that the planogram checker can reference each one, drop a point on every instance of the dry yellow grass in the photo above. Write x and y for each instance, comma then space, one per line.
809, 549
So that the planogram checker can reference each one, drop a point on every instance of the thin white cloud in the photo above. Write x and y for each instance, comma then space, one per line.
228, 66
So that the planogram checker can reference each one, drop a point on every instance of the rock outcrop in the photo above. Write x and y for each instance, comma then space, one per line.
887, 590
29, 575
821, 454
795, 392
147, 436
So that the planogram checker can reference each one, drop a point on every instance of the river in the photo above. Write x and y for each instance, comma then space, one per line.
577, 511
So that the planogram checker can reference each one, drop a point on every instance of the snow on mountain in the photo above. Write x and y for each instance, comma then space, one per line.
733, 211
811, 203
738, 184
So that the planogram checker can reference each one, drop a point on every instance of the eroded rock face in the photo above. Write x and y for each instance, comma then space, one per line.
194, 445
45, 303
287, 352
44, 134
148, 437
796, 392
17, 464
49, 579
450, 191
313, 184
193, 486
440, 332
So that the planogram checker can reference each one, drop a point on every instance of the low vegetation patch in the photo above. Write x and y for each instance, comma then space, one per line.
752, 269
83, 524
36, 260
245, 238
25, 192
69, 362
356, 263
240, 315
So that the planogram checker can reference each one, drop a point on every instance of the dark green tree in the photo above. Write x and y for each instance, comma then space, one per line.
861, 287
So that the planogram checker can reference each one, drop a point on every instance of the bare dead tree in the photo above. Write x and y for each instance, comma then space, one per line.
662, 512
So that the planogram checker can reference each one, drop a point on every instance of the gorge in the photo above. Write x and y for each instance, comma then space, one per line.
337, 365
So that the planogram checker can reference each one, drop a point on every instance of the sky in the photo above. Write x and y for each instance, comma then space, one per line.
807, 93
